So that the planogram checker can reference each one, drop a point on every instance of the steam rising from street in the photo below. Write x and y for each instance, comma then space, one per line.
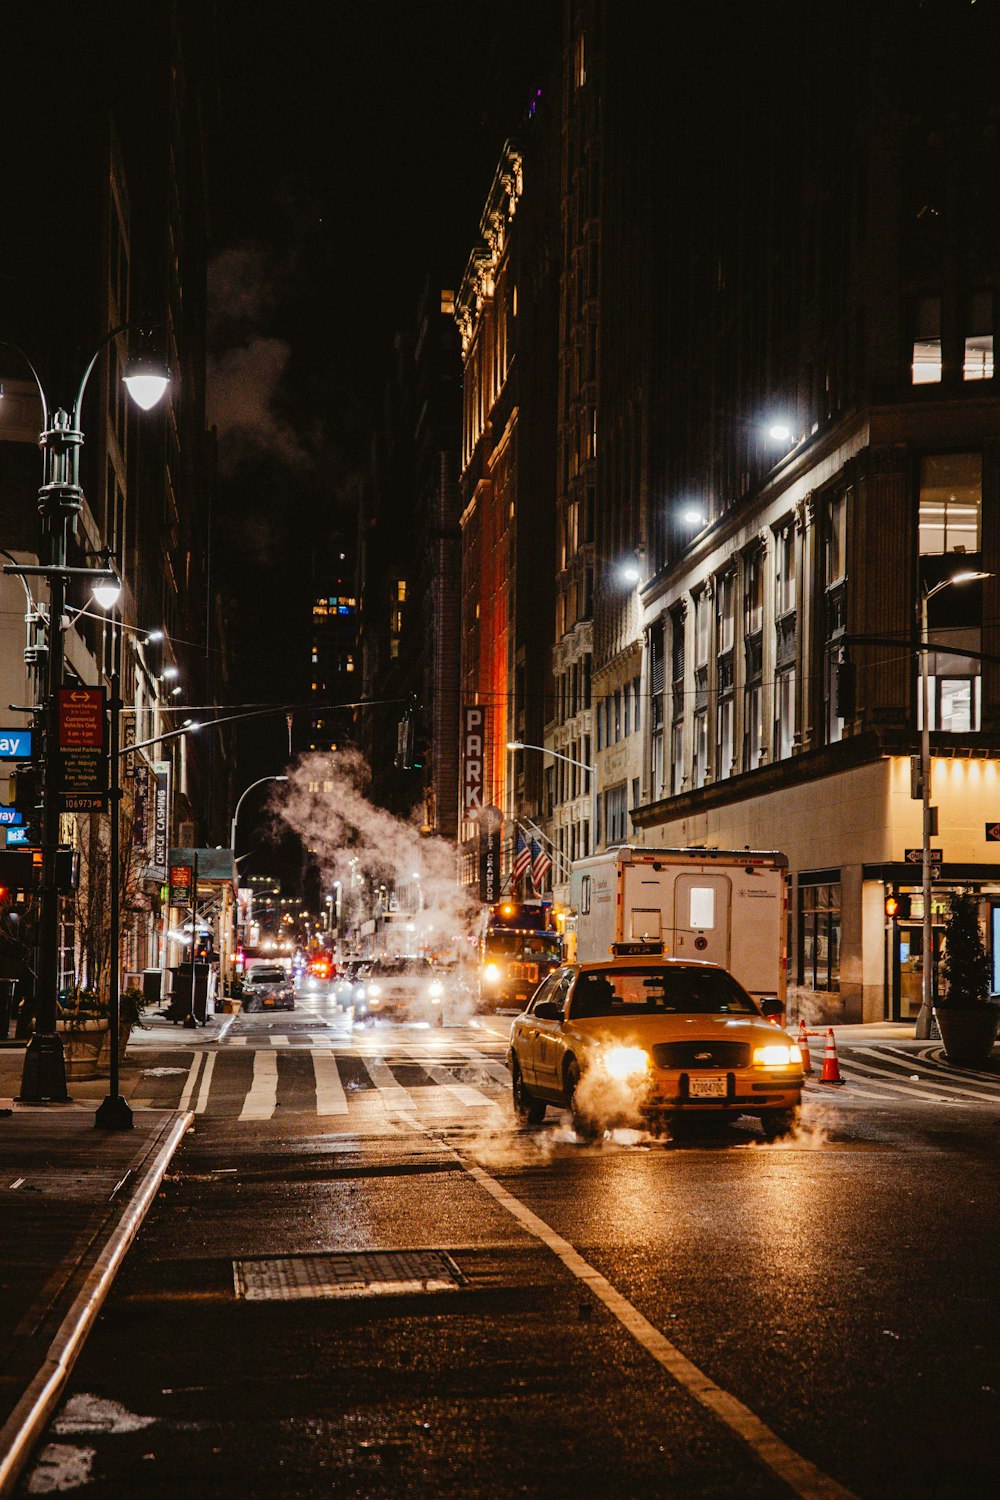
364, 847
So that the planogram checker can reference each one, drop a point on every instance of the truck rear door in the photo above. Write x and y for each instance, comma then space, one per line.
702, 913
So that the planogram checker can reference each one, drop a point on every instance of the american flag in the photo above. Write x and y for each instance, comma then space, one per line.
522, 858
540, 865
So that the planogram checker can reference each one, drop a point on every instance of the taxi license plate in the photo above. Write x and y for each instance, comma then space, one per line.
269, 1001
707, 1088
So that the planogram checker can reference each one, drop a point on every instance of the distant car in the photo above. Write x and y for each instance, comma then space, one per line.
268, 987
404, 989
635, 1038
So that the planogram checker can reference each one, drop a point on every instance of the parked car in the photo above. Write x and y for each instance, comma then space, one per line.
635, 1039
268, 987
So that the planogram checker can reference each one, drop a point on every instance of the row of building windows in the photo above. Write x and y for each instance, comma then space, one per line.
619, 714
949, 525
926, 366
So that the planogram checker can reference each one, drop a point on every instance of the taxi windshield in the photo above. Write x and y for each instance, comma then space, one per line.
653, 989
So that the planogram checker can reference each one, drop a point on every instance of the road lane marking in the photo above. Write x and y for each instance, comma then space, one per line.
278, 1041
262, 1096
942, 1074
797, 1472
189, 1083
206, 1083
913, 1091
330, 1096
496, 1070
237, 1041
461, 1093
392, 1094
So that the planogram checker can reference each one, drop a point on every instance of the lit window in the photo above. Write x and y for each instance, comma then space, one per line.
448, 303
401, 590
978, 363
580, 61
926, 366
951, 497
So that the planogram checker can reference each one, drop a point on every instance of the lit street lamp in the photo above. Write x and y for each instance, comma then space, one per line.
232, 827
60, 500
922, 1030
570, 761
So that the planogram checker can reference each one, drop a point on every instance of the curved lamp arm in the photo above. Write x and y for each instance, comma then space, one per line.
9, 344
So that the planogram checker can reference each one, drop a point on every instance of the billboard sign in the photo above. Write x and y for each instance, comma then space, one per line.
490, 827
473, 759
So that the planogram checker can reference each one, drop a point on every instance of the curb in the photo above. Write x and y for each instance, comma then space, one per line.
27, 1421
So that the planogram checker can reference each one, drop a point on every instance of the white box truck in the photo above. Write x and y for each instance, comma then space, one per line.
724, 906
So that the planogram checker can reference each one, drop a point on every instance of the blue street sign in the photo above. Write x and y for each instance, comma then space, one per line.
16, 836
15, 744
10, 817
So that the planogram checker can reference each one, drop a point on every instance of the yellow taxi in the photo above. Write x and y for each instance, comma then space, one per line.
632, 1039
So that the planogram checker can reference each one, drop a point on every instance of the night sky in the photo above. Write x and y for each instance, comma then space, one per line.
353, 150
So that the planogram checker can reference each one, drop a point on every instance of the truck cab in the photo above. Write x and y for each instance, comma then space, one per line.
518, 948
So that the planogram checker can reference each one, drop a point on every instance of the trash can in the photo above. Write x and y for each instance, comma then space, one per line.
180, 999
7, 988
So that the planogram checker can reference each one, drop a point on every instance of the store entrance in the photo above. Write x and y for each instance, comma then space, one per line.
908, 967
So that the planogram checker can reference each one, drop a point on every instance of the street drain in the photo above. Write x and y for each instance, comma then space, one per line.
372, 1273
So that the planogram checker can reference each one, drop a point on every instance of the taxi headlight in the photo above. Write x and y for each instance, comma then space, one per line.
491, 974
435, 989
374, 989
625, 1062
777, 1056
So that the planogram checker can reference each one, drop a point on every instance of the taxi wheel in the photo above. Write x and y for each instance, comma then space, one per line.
778, 1123
585, 1126
526, 1106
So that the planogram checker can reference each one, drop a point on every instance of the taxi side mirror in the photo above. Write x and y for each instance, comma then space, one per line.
548, 1010
772, 1007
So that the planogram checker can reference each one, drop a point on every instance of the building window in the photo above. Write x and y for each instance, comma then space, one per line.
978, 364
819, 936
726, 611
699, 763
724, 747
925, 368
600, 723
835, 578
636, 701
951, 502
676, 757
616, 814
784, 692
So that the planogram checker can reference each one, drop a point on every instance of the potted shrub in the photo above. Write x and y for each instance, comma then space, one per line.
965, 1014
83, 1022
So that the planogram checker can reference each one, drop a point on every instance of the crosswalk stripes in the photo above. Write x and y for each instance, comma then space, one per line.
262, 1096
434, 1076
330, 1096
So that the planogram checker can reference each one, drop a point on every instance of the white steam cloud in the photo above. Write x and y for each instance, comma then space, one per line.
364, 847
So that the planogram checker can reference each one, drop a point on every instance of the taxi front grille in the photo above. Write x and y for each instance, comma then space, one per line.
693, 1055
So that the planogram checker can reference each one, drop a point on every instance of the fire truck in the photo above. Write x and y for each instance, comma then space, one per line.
518, 946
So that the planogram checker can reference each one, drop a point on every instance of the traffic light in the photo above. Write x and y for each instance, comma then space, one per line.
24, 788
891, 904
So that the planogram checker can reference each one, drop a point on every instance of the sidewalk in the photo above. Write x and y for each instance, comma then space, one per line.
71, 1199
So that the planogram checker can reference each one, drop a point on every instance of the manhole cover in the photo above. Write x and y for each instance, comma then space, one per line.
373, 1273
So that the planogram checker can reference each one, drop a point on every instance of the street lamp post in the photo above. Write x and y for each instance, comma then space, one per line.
60, 500
922, 1029
570, 761
232, 828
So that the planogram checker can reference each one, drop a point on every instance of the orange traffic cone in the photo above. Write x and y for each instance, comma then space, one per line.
831, 1066
807, 1066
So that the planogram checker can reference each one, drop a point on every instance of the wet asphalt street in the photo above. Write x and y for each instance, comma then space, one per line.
712, 1317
